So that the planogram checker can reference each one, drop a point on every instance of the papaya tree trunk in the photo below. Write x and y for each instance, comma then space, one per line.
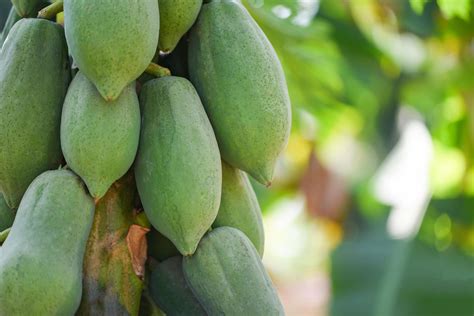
111, 285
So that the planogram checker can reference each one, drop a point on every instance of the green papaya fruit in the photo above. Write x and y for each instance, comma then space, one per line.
244, 91
34, 74
239, 206
148, 307
41, 260
99, 139
178, 168
13, 17
7, 215
171, 292
110, 285
159, 247
228, 277
176, 18
112, 42
26, 8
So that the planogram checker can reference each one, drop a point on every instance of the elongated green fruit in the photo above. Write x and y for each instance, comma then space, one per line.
178, 168
110, 285
240, 80
26, 8
171, 292
112, 41
176, 18
7, 215
148, 307
33, 81
99, 139
228, 277
159, 247
41, 260
13, 17
239, 206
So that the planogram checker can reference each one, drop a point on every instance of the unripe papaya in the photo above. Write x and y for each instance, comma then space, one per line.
7, 215
26, 8
176, 18
171, 292
239, 206
228, 277
41, 260
99, 139
241, 82
112, 42
13, 17
178, 168
110, 285
159, 247
148, 307
34, 74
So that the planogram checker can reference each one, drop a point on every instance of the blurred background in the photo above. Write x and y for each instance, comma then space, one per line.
372, 208
372, 211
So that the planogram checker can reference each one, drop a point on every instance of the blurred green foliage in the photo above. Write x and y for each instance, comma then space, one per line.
352, 66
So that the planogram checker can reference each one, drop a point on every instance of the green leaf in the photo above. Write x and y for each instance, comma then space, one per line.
453, 8
418, 5
402, 277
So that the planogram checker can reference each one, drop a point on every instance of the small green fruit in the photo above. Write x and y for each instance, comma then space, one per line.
41, 260
34, 74
99, 139
228, 277
112, 42
26, 8
176, 18
171, 292
241, 82
239, 206
178, 167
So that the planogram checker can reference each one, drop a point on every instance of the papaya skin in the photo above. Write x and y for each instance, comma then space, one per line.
239, 206
112, 41
244, 91
26, 8
148, 306
7, 215
178, 169
13, 17
160, 248
41, 260
170, 291
228, 277
110, 285
34, 48
176, 18
99, 139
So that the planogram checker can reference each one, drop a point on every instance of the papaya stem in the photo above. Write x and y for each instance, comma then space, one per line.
52, 10
142, 220
157, 70
4, 234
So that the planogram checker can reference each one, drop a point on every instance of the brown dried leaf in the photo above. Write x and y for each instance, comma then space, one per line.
325, 192
137, 246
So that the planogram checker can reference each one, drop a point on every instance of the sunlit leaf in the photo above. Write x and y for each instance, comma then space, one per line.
455, 8
418, 5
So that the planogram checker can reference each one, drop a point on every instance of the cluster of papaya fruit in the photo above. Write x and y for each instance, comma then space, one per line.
94, 130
